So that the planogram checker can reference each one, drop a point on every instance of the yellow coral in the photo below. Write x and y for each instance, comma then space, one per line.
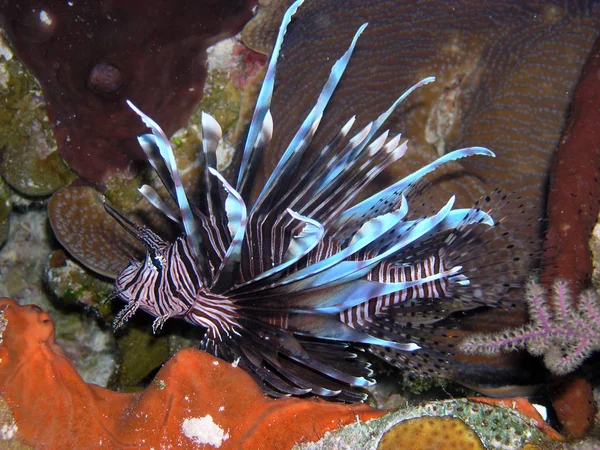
431, 433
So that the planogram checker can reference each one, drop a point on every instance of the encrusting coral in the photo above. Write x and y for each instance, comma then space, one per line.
425, 433
195, 401
564, 332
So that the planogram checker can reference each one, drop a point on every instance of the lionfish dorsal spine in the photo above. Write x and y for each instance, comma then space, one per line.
263, 103
166, 151
155, 200
307, 129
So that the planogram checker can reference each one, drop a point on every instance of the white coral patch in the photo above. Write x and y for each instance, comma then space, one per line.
8, 431
203, 430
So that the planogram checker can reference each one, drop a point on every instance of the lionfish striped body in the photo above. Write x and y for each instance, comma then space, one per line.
293, 283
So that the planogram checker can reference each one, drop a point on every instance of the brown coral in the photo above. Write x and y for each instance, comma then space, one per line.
504, 76
90, 56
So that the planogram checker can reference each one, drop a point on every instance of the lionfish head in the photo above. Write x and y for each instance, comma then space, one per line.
291, 283
155, 284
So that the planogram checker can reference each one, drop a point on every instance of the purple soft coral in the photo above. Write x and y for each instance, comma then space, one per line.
564, 332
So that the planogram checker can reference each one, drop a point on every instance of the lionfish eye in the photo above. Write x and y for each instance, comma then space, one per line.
156, 259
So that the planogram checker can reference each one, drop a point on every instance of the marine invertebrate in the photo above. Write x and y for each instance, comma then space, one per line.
565, 332
456, 424
431, 432
525, 407
284, 281
90, 56
572, 212
574, 189
505, 74
41, 386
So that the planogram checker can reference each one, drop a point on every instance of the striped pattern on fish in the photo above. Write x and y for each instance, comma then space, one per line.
291, 281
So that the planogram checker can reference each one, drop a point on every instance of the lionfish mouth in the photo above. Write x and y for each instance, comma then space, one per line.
297, 281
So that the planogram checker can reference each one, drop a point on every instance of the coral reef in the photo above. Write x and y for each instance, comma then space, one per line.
5, 208
563, 330
449, 424
426, 433
22, 264
91, 236
76, 50
445, 110
526, 408
195, 399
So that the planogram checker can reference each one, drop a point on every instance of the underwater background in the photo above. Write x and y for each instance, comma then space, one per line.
518, 77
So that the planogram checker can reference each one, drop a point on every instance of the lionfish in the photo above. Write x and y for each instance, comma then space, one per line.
295, 283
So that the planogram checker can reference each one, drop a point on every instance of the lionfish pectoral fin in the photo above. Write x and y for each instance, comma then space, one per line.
378, 227
125, 314
363, 208
333, 300
346, 271
263, 102
211, 135
159, 322
254, 358
329, 327
301, 379
309, 237
455, 218
465, 216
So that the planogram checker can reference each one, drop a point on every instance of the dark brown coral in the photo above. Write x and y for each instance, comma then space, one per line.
90, 56
573, 208
573, 198
504, 73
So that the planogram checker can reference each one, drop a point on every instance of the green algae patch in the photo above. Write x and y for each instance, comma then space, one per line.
30, 162
73, 284
141, 354
5, 209
222, 99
